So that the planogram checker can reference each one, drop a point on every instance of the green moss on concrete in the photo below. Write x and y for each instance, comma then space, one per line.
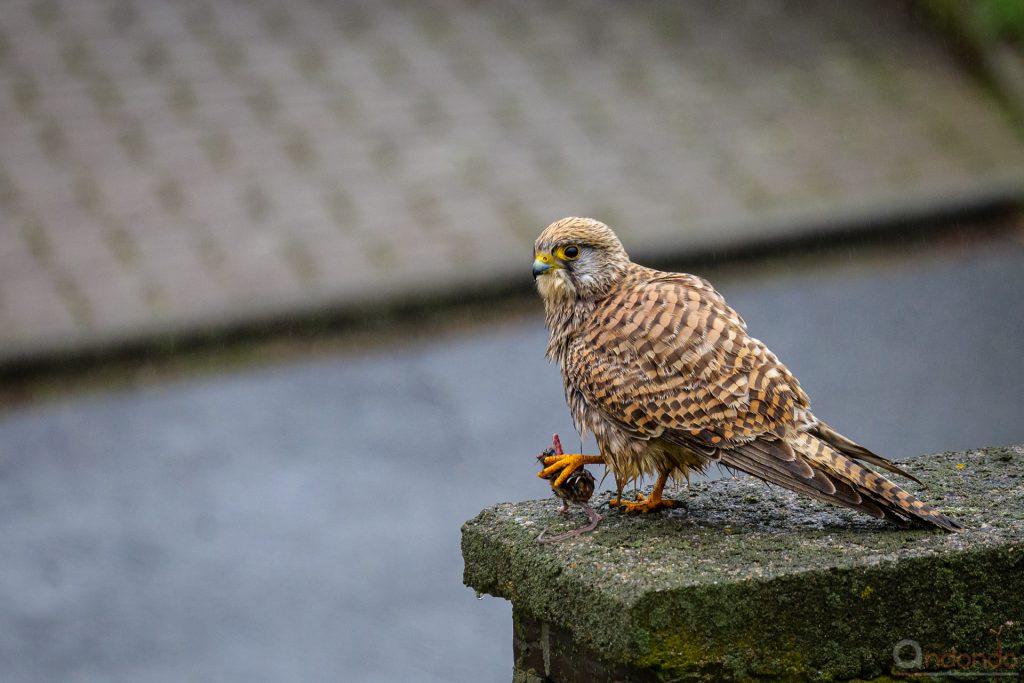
753, 582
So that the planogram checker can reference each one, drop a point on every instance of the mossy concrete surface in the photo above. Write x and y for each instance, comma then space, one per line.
752, 582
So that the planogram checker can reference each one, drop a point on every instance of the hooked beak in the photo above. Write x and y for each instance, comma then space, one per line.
542, 264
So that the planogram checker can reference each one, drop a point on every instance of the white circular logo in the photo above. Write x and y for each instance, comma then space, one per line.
904, 648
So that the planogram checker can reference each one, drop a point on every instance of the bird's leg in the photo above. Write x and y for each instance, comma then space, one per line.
566, 462
648, 504
592, 515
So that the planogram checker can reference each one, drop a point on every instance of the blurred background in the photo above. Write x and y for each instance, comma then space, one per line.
267, 334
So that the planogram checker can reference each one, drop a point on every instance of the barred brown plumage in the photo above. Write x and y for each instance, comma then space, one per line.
662, 371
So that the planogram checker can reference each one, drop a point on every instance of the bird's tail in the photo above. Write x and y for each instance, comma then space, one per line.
855, 450
826, 449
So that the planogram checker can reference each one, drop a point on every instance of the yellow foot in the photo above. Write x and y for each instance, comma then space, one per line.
643, 504
567, 463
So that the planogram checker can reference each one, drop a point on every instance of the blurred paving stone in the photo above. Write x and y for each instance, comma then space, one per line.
184, 166
301, 522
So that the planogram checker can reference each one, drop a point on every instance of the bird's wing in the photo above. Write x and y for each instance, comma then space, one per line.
665, 357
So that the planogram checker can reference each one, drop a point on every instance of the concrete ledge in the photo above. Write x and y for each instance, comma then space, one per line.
753, 582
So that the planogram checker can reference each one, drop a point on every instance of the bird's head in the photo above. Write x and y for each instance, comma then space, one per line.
577, 258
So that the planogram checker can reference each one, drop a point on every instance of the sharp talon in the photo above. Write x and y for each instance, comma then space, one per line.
564, 465
647, 503
566, 471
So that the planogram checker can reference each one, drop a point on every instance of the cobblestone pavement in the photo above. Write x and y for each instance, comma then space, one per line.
167, 167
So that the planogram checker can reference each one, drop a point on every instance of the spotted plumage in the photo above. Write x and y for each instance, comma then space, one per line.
662, 371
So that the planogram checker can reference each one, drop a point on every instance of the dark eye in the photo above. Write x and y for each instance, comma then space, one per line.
571, 252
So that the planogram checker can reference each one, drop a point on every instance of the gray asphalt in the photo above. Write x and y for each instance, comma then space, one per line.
301, 522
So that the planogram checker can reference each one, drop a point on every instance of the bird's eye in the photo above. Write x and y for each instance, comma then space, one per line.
569, 253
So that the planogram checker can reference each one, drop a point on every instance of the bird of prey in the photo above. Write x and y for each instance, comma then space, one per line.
662, 372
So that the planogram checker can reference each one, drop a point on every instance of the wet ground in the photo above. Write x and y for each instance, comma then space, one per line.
301, 521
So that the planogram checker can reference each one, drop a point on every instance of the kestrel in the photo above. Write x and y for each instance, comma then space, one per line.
662, 372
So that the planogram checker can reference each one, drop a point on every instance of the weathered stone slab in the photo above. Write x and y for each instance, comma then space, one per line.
752, 582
